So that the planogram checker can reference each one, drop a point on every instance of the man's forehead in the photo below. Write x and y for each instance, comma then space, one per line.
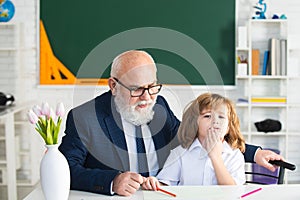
144, 72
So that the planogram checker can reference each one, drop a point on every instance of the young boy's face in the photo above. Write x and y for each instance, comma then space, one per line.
215, 119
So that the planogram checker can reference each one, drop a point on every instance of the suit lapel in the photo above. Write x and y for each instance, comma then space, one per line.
115, 131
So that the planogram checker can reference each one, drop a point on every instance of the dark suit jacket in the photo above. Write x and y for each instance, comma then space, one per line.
95, 145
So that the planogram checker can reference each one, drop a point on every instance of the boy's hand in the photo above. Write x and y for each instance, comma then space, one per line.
150, 183
213, 143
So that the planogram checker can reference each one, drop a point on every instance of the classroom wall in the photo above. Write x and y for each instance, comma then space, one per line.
23, 82
26, 84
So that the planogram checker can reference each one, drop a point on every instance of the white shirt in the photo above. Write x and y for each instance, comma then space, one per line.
192, 166
129, 130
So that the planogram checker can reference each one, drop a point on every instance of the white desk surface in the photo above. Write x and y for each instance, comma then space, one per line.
272, 192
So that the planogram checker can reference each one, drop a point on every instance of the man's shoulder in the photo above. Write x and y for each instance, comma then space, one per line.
99, 102
161, 100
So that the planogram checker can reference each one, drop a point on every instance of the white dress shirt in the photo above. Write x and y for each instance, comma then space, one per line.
192, 166
129, 130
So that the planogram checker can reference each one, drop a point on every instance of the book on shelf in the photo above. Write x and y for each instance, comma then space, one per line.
277, 50
255, 61
273, 64
268, 100
283, 56
278, 56
266, 66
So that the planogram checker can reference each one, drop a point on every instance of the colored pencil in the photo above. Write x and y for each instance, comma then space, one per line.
164, 191
249, 193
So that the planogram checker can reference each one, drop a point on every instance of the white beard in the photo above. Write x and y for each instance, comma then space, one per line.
130, 114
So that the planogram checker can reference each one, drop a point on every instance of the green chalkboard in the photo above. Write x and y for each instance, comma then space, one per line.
192, 41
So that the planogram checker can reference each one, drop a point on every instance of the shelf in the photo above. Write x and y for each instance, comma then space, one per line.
285, 84
293, 133
20, 183
294, 105
25, 183
24, 152
243, 105
268, 20
9, 24
242, 77
9, 49
266, 96
266, 77
242, 48
294, 77
245, 133
262, 105
268, 105
263, 134
21, 122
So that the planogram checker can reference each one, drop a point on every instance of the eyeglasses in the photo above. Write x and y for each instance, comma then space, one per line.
137, 92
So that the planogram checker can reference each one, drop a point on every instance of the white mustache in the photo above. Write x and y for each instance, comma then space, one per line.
143, 103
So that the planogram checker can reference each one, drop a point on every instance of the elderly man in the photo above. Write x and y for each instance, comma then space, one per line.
115, 140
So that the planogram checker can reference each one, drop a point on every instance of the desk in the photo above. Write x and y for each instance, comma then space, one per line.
272, 192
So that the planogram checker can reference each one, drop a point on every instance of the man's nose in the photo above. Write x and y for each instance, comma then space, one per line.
145, 95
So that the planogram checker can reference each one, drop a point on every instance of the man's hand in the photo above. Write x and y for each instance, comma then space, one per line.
127, 183
262, 158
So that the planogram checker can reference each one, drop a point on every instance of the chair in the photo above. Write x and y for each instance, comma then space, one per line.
263, 176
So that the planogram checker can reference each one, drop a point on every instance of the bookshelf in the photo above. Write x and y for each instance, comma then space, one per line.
269, 95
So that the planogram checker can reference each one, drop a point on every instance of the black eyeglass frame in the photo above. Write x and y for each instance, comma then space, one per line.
131, 90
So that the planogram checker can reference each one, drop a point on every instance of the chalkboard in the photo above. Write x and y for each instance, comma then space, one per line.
192, 41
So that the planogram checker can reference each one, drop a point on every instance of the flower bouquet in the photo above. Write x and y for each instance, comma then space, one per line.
47, 123
54, 168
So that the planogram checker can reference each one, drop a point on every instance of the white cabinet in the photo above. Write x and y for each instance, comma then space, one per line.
283, 98
20, 156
